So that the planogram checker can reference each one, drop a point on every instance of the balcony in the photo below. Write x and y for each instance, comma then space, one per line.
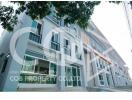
55, 45
35, 37
54, 19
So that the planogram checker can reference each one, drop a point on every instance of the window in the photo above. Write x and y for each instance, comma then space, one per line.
55, 37
66, 43
37, 26
76, 49
78, 56
72, 74
36, 37
55, 41
102, 82
67, 48
43, 72
53, 69
97, 62
100, 62
108, 78
100, 77
42, 67
29, 64
104, 64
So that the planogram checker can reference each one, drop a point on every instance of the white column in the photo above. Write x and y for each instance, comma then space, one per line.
62, 66
83, 71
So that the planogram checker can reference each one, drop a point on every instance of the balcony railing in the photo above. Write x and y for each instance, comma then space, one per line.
55, 19
55, 45
35, 37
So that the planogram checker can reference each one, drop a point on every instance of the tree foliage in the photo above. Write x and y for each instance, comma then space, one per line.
73, 12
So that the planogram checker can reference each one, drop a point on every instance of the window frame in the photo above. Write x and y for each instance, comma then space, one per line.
50, 75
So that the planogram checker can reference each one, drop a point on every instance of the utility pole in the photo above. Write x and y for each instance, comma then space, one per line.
126, 5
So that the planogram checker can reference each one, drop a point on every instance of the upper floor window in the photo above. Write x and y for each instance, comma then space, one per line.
55, 41
66, 43
67, 48
76, 49
78, 55
37, 25
36, 37
101, 63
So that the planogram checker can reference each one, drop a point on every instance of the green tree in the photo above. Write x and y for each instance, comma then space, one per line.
73, 12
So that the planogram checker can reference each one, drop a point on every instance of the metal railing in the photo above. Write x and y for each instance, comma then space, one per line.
55, 45
35, 37
55, 19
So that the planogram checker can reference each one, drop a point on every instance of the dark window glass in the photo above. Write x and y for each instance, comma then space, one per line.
100, 77
39, 28
42, 67
74, 72
52, 69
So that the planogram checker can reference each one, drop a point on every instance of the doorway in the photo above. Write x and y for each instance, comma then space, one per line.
72, 74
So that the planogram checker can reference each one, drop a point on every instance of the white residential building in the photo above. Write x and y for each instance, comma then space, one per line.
59, 58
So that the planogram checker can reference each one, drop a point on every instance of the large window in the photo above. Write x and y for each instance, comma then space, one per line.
38, 71
72, 74
55, 41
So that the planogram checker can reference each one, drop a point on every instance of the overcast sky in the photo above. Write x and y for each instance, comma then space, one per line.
111, 20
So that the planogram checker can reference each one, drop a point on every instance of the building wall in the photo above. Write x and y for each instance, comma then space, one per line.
89, 46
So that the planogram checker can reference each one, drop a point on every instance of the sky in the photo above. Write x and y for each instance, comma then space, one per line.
111, 21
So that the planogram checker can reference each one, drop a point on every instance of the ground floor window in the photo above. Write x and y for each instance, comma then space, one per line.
108, 78
72, 74
36, 70
101, 79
